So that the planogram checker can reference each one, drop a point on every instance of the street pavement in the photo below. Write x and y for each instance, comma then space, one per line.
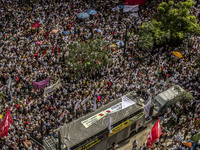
141, 138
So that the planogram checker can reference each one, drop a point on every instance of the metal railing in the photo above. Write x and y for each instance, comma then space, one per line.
38, 142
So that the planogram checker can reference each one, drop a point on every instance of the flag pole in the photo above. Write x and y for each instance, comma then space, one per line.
125, 40
109, 123
59, 140
157, 145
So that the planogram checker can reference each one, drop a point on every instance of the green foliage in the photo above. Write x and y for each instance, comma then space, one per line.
86, 57
1, 96
146, 42
171, 23
198, 62
184, 97
146, 36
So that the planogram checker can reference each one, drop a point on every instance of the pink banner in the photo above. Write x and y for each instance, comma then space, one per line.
40, 85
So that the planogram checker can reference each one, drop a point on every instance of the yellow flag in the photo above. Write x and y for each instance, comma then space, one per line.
102, 83
0, 116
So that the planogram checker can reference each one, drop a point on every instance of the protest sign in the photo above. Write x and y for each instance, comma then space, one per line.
40, 85
53, 87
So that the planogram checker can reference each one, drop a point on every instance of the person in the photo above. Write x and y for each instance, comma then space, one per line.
25, 61
114, 146
135, 143
186, 133
193, 132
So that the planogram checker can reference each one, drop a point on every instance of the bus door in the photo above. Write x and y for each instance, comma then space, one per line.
110, 141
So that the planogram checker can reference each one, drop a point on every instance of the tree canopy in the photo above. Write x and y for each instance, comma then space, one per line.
171, 23
198, 62
85, 57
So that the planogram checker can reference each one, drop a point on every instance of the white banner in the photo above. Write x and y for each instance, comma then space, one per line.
77, 105
88, 122
85, 100
10, 86
147, 108
114, 108
126, 102
63, 115
109, 124
130, 8
95, 105
53, 87
134, 15
115, 9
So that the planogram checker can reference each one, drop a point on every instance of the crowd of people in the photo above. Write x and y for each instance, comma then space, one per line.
179, 125
25, 61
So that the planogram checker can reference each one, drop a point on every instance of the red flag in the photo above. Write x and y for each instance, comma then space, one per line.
17, 79
59, 50
36, 56
4, 125
44, 52
53, 48
35, 25
154, 134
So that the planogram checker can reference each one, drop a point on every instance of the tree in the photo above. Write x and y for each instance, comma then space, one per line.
86, 57
198, 62
169, 25
183, 96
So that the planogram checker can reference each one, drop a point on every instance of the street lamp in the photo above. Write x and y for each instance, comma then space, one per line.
125, 40
127, 21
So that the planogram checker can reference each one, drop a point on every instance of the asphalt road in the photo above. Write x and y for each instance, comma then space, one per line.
140, 136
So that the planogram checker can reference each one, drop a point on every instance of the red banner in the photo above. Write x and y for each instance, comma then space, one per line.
5, 124
134, 2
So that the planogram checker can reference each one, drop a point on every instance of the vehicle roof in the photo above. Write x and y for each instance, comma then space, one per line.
168, 95
75, 132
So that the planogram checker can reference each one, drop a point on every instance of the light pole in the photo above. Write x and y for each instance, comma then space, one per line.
125, 40
127, 22
59, 140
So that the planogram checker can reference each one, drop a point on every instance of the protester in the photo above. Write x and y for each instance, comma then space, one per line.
135, 143
33, 48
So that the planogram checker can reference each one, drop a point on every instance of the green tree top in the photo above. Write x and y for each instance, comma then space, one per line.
85, 57
177, 18
171, 23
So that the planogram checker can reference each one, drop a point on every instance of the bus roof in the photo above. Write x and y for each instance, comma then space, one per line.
75, 132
